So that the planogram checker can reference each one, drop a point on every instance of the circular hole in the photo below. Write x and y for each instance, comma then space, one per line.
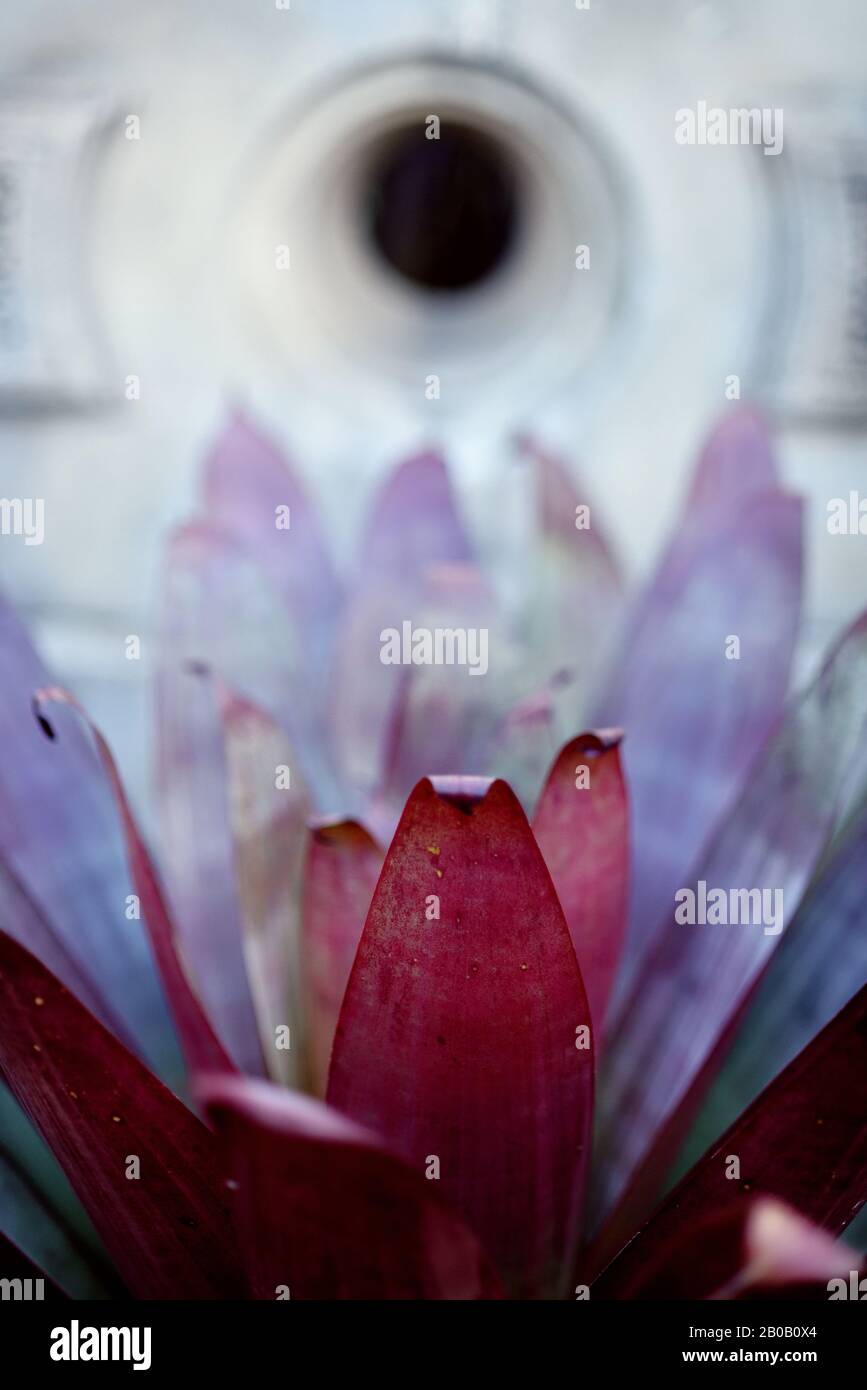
442, 213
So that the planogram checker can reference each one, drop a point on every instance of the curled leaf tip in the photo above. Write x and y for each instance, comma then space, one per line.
47, 695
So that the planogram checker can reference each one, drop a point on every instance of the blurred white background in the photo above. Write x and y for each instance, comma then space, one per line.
154, 258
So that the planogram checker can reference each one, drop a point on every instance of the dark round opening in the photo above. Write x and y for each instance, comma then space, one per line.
443, 212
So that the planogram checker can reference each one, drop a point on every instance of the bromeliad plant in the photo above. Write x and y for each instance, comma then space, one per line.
459, 997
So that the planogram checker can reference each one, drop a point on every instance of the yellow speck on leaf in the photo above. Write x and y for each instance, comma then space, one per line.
433, 849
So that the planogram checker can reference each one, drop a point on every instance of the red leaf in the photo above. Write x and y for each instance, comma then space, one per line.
457, 1036
96, 1105
323, 1213
803, 1140
34, 1220
340, 874
583, 833
754, 1247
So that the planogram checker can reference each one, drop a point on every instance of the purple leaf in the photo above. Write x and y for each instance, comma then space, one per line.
697, 709
736, 464
414, 528
820, 964
324, 1213
443, 718
24, 920
67, 885
202, 1048
250, 491
219, 611
464, 1034
680, 1016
